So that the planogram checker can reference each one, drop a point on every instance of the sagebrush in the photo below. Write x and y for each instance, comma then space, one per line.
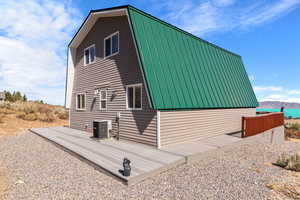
292, 130
289, 162
32, 111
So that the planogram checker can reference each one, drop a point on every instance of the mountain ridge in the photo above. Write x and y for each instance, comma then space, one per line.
279, 104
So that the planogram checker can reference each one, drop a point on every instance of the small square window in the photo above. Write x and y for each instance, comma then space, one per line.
80, 102
134, 97
103, 99
111, 45
89, 55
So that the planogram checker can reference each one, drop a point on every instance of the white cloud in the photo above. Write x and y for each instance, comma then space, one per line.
294, 92
266, 88
223, 15
263, 13
33, 40
276, 93
282, 98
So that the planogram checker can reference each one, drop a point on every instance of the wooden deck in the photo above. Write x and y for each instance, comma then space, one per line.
146, 161
108, 154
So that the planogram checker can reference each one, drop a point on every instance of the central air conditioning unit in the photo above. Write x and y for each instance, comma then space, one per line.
101, 129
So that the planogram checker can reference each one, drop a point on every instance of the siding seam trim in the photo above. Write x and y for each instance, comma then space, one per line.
158, 129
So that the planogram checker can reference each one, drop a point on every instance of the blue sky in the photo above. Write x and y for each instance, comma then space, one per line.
34, 35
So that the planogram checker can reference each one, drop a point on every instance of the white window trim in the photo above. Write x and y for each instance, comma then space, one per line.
84, 101
110, 36
134, 85
84, 61
102, 99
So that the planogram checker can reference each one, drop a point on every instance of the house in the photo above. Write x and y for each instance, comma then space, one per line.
2, 96
150, 82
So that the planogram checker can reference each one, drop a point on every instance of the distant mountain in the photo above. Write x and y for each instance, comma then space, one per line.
278, 104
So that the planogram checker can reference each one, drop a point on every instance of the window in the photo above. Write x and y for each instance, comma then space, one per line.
103, 99
111, 45
89, 55
134, 97
80, 102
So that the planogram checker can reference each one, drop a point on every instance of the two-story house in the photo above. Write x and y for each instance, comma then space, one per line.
152, 82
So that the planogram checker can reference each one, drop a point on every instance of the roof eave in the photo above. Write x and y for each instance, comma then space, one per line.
92, 18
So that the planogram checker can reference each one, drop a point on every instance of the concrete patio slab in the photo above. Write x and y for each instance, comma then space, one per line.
192, 150
108, 154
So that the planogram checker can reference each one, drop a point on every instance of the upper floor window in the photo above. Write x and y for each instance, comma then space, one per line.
90, 55
103, 99
80, 101
134, 97
111, 45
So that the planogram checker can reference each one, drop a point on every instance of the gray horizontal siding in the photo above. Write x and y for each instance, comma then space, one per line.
183, 126
119, 70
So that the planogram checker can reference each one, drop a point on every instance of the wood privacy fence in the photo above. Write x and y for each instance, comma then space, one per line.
258, 124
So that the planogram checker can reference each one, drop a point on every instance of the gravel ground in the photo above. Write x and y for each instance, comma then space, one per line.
37, 169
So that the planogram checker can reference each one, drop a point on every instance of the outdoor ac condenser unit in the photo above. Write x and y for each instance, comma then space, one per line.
104, 129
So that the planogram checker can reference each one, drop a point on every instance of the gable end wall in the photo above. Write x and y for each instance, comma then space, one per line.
115, 73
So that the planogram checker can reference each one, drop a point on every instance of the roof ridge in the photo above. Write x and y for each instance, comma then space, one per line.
180, 30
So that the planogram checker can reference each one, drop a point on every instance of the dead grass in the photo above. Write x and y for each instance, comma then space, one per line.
292, 129
287, 188
292, 121
32, 111
13, 126
18, 117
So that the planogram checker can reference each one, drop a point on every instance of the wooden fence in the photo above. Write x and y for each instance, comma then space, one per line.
258, 124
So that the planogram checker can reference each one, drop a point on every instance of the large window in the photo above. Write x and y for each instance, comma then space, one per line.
103, 99
89, 55
134, 97
80, 101
111, 45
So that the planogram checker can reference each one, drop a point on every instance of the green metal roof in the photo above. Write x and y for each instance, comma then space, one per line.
183, 71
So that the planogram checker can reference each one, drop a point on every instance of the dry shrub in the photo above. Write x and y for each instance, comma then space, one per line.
292, 130
292, 133
44, 108
282, 160
295, 126
294, 163
34, 111
2, 116
289, 162
46, 117
27, 116
6, 111
5, 104
30, 108
61, 113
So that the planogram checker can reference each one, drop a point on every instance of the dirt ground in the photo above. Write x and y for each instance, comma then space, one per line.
292, 121
287, 188
14, 126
